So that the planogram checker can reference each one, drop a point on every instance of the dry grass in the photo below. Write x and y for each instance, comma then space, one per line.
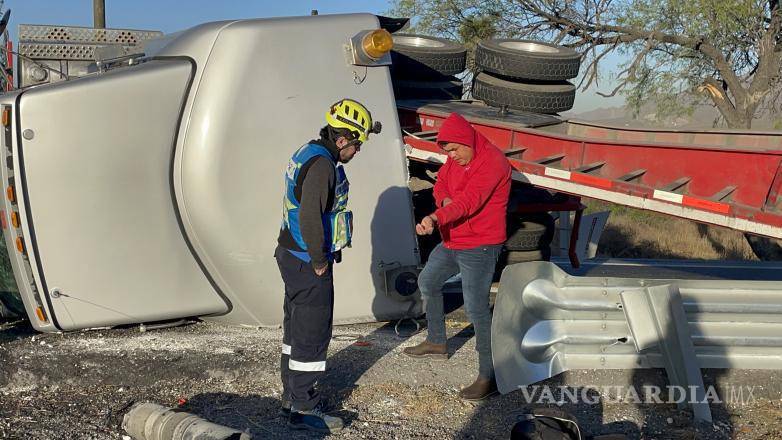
398, 400
632, 233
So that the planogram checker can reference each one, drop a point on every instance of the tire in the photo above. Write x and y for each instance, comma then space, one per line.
515, 257
530, 232
527, 59
535, 98
766, 249
424, 57
450, 88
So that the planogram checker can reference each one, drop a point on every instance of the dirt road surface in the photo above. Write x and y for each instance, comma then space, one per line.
79, 385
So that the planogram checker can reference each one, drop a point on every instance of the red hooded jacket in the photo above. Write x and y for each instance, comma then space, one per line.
478, 191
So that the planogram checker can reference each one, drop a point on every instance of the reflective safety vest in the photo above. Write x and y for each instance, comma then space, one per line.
337, 223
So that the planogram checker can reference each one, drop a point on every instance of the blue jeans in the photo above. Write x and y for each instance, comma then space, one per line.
477, 268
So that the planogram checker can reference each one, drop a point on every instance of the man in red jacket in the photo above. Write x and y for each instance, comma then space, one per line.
471, 194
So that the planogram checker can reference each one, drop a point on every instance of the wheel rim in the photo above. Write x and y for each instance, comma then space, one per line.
417, 42
528, 47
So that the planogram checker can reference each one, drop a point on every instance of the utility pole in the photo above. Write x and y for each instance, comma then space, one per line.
99, 13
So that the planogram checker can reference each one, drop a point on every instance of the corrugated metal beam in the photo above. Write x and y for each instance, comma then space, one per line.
547, 322
657, 320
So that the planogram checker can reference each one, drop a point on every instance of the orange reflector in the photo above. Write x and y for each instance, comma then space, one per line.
377, 43
15, 219
10, 193
19, 244
6, 117
39, 314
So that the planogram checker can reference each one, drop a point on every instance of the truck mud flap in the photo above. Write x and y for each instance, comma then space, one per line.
547, 322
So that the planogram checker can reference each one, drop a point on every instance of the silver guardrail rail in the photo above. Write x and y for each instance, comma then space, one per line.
547, 322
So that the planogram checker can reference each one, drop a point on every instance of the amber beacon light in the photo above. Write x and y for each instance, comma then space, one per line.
377, 43
371, 48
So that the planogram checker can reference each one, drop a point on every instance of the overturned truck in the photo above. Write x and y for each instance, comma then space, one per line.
149, 189
153, 191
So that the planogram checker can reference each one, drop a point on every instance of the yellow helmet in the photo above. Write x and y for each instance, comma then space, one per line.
353, 116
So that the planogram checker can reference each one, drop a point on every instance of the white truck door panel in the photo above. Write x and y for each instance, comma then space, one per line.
96, 156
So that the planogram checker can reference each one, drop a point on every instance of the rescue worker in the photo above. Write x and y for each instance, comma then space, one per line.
316, 227
471, 195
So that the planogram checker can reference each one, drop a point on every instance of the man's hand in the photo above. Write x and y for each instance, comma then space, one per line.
426, 227
446, 201
319, 271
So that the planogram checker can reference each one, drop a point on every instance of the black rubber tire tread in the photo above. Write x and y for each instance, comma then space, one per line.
449, 88
514, 257
417, 62
535, 98
530, 232
766, 249
491, 56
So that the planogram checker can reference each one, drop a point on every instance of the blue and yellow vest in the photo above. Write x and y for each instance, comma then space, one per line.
337, 223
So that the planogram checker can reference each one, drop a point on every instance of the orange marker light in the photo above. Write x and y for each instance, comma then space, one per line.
19, 245
39, 314
10, 193
15, 219
6, 117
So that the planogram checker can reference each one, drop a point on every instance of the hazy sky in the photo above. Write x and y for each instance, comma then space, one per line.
170, 16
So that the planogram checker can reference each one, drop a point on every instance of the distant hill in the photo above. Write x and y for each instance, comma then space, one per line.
703, 117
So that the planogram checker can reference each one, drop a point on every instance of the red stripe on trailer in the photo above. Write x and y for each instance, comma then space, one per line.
591, 180
422, 144
708, 205
527, 167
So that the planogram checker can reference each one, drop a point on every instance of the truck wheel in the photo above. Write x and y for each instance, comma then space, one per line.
449, 88
536, 98
424, 57
527, 59
764, 248
530, 232
514, 257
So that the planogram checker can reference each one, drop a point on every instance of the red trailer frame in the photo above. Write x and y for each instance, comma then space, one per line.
730, 178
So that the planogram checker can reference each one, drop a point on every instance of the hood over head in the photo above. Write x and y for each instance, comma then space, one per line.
456, 129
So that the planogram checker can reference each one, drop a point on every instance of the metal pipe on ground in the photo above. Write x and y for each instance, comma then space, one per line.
150, 421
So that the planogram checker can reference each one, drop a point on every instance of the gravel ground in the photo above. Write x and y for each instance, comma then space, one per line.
79, 385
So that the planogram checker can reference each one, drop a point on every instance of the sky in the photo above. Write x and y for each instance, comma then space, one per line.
175, 15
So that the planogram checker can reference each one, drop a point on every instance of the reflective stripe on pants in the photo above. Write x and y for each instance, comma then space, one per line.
307, 366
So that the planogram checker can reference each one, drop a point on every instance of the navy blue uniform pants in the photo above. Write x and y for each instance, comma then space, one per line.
307, 327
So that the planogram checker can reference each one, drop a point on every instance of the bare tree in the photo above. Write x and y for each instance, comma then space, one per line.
679, 52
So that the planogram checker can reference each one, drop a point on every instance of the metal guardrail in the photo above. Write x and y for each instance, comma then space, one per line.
547, 322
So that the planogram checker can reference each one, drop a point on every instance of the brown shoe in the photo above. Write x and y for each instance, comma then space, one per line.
427, 350
479, 390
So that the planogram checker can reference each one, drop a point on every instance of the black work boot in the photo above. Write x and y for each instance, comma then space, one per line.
427, 350
479, 390
314, 420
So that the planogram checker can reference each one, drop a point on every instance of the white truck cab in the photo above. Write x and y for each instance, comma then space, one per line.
154, 191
